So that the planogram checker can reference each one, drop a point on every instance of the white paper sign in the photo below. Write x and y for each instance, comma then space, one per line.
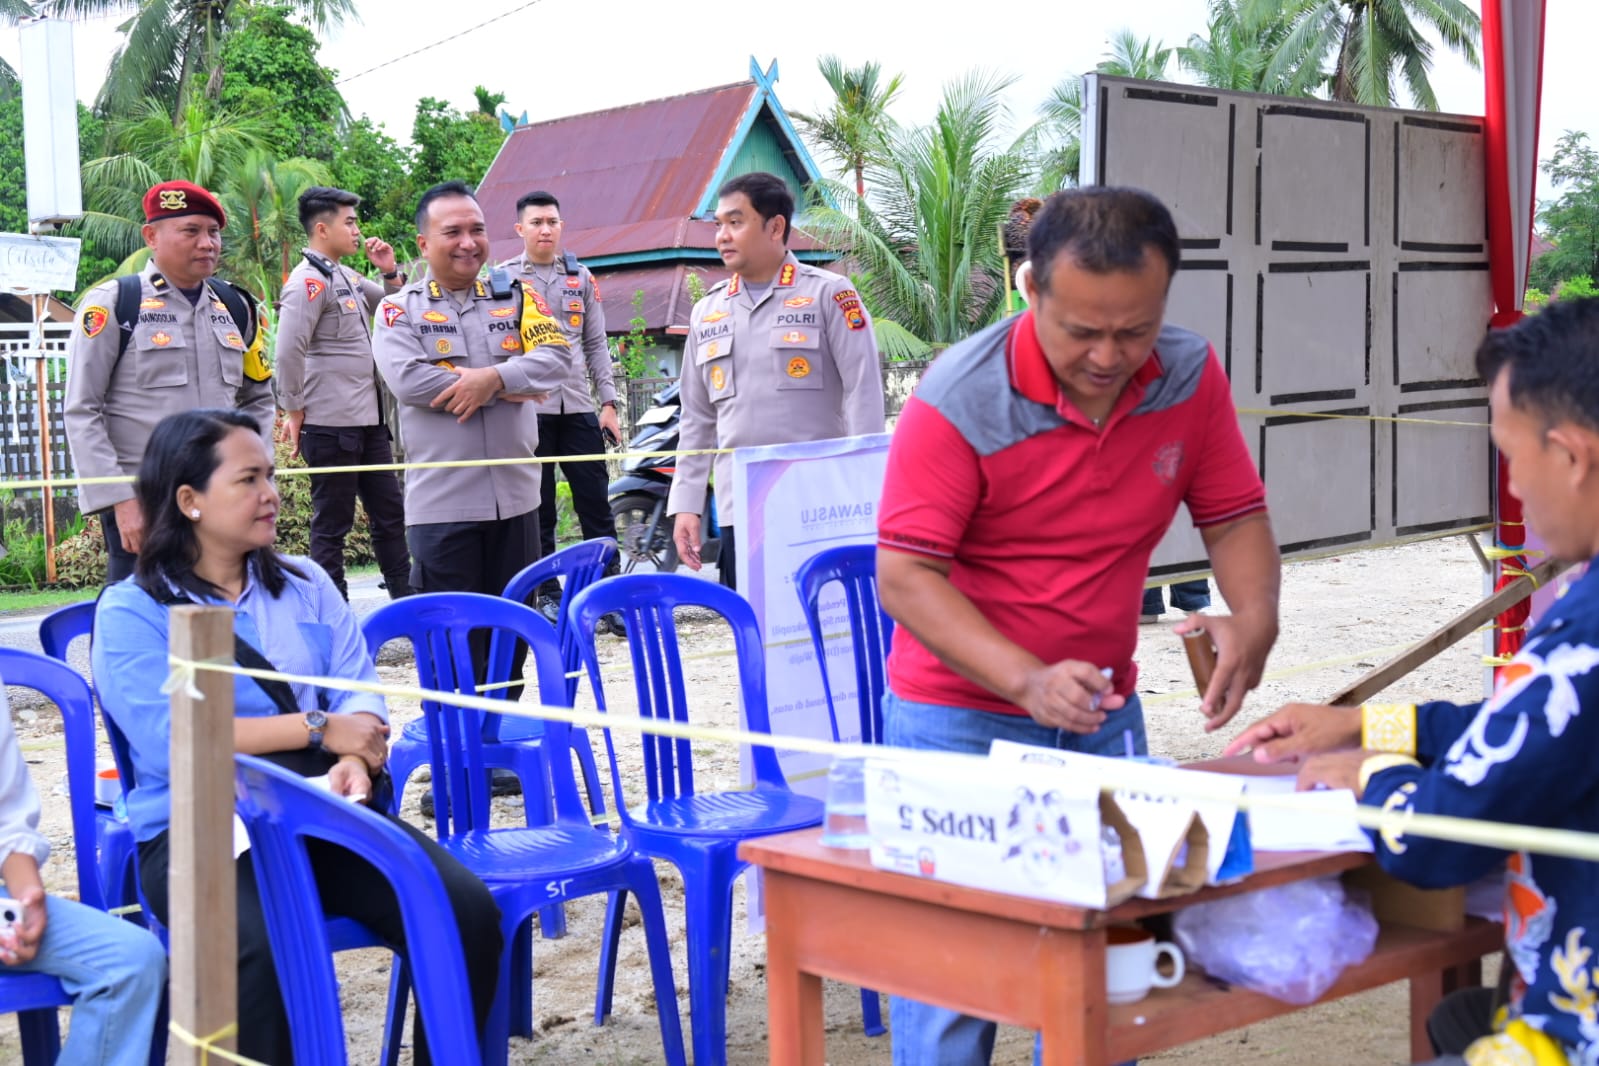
38, 264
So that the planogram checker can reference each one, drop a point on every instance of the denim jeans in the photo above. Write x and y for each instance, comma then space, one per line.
925, 1035
1185, 596
114, 970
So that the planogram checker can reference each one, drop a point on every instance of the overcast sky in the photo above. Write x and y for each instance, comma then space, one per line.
559, 57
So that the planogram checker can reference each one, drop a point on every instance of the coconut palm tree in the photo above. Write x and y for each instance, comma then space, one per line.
170, 46
1236, 48
262, 196
1373, 45
206, 147
1058, 137
926, 240
857, 127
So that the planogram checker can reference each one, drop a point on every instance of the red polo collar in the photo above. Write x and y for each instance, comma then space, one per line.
1030, 372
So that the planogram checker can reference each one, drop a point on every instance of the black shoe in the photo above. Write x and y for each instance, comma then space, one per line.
549, 607
612, 623
426, 804
501, 783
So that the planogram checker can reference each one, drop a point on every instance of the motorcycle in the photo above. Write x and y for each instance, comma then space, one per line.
638, 497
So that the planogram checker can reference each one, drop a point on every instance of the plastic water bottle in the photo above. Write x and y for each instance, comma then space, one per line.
844, 825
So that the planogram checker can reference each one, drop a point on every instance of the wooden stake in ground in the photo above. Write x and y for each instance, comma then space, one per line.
201, 884
1463, 624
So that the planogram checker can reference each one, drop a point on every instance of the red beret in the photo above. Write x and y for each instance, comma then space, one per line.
173, 199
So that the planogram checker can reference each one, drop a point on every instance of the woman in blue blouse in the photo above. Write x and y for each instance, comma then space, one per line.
210, 507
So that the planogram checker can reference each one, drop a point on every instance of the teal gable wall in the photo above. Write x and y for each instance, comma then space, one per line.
763, 150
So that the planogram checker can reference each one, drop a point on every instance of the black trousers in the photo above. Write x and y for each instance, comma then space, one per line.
120, 561
475, 557
350, 887
333, 499
577, 433
727, 559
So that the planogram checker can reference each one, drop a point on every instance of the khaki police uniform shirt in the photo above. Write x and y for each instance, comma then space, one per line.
796, 363
575, 300
422, 331
180, 357
323, 364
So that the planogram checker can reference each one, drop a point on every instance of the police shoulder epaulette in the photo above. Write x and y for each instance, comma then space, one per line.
718, 287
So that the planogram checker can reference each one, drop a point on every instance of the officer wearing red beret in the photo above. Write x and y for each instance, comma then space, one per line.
181, 340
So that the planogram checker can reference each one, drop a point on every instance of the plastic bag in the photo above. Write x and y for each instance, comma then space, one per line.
1289, 942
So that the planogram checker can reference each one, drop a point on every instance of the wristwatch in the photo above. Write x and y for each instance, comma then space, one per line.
393, 275
315, 723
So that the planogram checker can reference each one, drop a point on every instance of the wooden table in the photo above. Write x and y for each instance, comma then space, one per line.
1036, 964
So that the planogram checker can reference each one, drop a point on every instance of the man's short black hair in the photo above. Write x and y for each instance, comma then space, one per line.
537, 198
1104, 229
318, 200
769, 195
438, 192
1553, 361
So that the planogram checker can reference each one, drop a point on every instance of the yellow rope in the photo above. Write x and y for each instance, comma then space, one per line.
207, 1044
1114, 775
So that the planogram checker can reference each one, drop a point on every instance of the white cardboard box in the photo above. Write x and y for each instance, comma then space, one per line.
1027, 830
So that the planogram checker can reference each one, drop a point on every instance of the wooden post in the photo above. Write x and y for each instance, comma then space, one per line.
47, 506
1464, 623
201, 886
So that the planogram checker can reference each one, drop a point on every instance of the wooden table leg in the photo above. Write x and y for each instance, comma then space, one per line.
1072, 999
793, 999
1426, 992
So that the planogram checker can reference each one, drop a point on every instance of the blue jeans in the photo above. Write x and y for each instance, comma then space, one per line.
114, 970
925, 1035
1185, 596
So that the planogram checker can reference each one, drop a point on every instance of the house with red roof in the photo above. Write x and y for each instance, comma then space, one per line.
637, 186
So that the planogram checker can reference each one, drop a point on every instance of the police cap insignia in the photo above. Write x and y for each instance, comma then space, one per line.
174, 199
94, 320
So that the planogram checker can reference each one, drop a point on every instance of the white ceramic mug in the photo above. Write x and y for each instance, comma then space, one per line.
1132, 958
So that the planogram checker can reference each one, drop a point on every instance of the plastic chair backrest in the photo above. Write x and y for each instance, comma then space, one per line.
646, 603
440, 627
281, 811
581, 565
70, 692
871, 629
60, 628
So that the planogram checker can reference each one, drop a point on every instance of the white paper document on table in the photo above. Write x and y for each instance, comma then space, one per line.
1323, 820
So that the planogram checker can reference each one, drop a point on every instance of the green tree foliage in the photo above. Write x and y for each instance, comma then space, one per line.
92, 263
856, 128
1058, 137
1372, 45
1571, 219
263, 205
1236, 49
927, 236
273, 73
451, 146
375, 167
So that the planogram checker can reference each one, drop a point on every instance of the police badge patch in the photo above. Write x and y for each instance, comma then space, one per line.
94, 320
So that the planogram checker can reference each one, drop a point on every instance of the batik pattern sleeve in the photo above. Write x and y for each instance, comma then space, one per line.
1515, 762
931, 486
1226, 484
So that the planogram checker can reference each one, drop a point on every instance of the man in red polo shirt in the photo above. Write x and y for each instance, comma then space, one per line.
1029, 480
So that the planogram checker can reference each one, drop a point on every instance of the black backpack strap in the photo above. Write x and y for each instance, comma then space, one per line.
239, 306
126, 311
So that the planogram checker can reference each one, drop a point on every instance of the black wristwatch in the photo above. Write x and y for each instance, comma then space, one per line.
315, 723
393, 275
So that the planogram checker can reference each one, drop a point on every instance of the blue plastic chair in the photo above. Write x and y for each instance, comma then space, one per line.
524, 867
871, 629
281, 812
113, 837
36, 997
871, 633
580, 566
343, 934
697, 831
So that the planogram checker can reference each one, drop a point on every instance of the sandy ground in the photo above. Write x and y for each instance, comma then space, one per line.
1340, 616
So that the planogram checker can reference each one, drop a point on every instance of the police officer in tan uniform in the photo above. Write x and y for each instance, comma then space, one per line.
328, 387
780, 352
466, 362
568, 422
180, 347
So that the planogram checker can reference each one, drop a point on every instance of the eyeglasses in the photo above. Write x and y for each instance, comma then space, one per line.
542, 223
